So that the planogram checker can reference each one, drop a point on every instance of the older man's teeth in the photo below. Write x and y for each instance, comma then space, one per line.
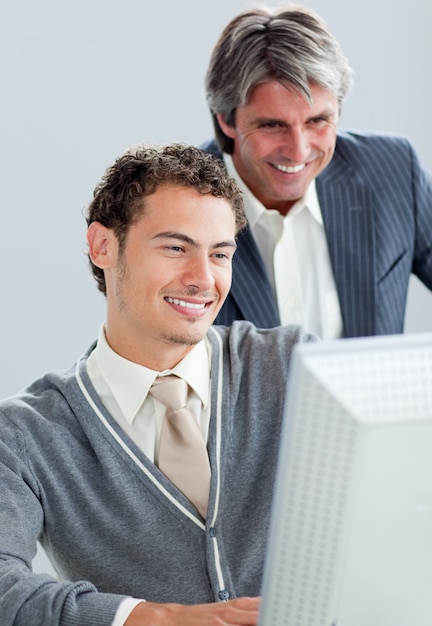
290, 169
188, 305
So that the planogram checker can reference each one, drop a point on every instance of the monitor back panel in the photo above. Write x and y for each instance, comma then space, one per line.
351, 534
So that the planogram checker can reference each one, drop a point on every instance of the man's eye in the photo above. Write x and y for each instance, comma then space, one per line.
270, 125
317, 120
222, 256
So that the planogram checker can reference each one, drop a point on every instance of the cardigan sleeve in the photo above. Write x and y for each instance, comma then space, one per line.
25, 597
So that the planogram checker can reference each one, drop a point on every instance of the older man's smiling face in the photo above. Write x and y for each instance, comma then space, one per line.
281, 142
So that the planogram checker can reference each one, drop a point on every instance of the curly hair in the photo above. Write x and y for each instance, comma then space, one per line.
118, 200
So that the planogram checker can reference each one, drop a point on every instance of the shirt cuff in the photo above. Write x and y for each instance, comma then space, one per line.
124, 610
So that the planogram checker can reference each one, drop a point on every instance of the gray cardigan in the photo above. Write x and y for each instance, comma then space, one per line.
109, 520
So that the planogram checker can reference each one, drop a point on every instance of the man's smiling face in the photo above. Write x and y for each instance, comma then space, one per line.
166, 286
281, 142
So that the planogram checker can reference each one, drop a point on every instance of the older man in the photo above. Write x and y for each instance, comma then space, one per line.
338, 221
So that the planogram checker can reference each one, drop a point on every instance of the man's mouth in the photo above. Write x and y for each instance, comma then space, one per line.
290, 169
197, 306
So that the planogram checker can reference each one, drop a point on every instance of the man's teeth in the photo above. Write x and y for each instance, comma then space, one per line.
188, 305
290, 169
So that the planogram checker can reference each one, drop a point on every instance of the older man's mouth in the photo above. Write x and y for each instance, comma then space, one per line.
290, 169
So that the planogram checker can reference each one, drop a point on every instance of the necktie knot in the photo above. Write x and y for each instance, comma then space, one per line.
171, 391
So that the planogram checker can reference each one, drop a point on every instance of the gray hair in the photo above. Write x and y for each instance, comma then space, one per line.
290, 44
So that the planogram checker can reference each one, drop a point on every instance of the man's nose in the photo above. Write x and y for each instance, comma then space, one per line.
296, 145
199, 273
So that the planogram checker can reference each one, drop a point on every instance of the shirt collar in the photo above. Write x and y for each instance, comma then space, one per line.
130, 382
253, 207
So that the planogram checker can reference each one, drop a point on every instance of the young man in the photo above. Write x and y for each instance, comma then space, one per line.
85, 466
338, 221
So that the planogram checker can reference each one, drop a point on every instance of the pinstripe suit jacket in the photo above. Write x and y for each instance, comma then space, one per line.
376, 203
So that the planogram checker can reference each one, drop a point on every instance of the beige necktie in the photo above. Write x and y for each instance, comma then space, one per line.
183, 456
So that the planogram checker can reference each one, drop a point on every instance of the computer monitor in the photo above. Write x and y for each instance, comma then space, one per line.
350, 541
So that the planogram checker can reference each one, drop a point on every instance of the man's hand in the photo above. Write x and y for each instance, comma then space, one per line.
238, 612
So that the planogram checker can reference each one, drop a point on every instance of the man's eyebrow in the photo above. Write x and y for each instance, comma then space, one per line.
267, 119
230, 243
326, 112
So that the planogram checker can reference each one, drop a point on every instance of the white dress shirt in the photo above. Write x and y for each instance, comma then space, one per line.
295, 253
123, 387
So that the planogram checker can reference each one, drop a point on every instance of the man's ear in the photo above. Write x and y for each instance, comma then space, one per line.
229, 131
102, 245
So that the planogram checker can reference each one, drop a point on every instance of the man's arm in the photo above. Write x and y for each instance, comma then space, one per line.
238, 612
28, 598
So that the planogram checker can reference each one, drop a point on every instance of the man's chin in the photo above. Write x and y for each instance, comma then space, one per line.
193, 332
190, 338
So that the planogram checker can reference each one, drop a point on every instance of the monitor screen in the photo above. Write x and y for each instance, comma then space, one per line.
350, 541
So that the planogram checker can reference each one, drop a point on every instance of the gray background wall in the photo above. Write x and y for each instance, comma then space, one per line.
84, 80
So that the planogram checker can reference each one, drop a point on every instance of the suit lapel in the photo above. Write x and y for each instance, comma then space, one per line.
251, 289
347, 208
